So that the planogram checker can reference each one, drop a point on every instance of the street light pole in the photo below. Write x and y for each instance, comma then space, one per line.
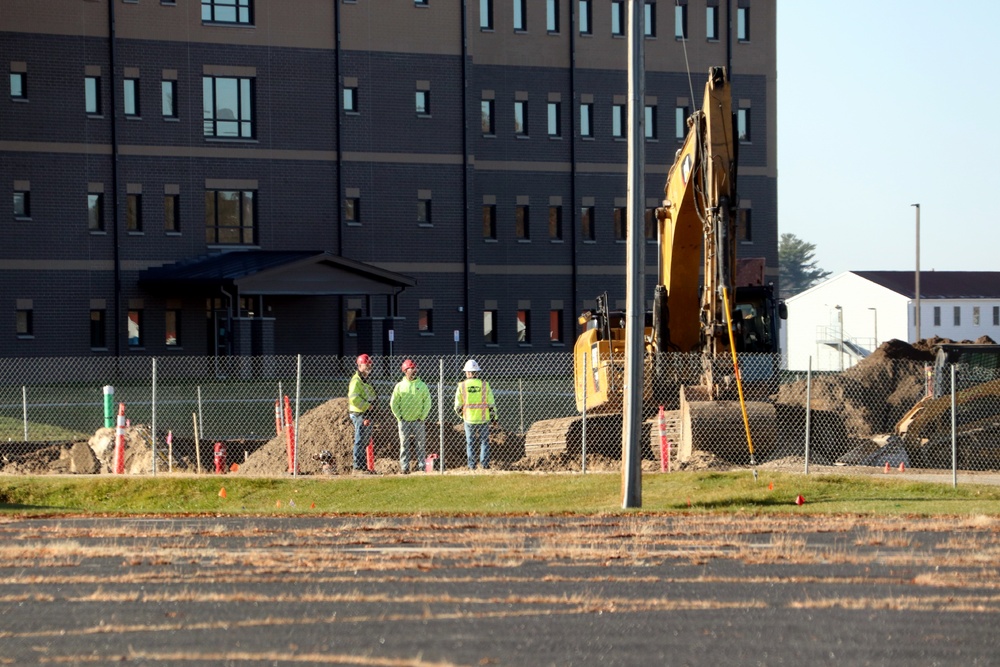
875, 315
916, 287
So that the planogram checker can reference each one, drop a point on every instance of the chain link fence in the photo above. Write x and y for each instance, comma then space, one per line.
180, 411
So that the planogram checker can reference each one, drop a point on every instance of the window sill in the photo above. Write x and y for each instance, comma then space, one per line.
558, 344
485, 29
496, 345
351, 112
553, 33
95, 116
524, 240
228, 24
352, 224
171, 119
172, 233
25, 336
489, 135
426, 333
128, 117
98, 349
135, 233
136, 348
524, 345
175, 348
522, 136
22, 218
22, 100
490, 241
232, 246
98, 232
556, 241
619, 139
555, 137
425, 224
712, 40
590, 241
230, 140
587, 138
424, 115
652, 140
746, 242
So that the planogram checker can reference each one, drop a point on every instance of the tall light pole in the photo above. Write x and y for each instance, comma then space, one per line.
916, 287
875, 315
840, 320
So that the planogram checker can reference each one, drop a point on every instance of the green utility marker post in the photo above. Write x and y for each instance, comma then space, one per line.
109, 403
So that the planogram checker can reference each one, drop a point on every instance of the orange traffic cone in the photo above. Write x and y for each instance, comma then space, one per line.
279, 504
902, 467
222, 492
799, 500
770, 487
313, 506
886, 467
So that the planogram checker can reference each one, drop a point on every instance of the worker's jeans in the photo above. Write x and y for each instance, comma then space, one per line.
362, 434
412, 440
480, 432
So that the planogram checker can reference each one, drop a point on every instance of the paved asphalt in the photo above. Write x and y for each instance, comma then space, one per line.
608, 590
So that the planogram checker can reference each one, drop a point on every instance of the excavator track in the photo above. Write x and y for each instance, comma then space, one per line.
603, 433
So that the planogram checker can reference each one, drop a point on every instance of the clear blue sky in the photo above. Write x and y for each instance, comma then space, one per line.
883, 104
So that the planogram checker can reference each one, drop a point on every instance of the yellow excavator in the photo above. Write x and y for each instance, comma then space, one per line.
698, 275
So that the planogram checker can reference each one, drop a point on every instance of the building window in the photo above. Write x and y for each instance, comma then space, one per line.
490, 327
489, 221
424, 211
937, 316
555, 126
18, 85
743, 24
620, 223
228, 107
680, 122
975, 316
425, 320
95, 212
957, 316
649, 230
133, 213
586, 119
552, 15
487, 112
423, 102
524, 326
486, 14
22, 204
131, 97
712, 23
135, 328
171, 213
351, 316
618, 122
555, 223
352, 210
618, 18
229, 216
587, 223
24, 322
351, 99
522, 232
996, 316
650, 111
92, 90
555, 326
227, 11
586, 23
421, 3
97, 334
168, 94
520, 15
743, 125
172, 327
744, 225
521, 118
649, 25
680, 21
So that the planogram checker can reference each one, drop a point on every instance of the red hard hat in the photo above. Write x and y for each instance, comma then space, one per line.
364, 359
408, 364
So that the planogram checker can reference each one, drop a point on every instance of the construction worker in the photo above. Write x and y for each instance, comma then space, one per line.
474, 404
411, 403
360, 404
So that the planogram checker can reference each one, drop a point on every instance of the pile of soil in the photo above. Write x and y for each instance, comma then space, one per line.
64, 458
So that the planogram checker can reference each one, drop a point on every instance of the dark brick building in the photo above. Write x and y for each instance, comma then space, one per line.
424, 166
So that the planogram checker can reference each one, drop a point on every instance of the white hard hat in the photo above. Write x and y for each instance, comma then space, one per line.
471, 365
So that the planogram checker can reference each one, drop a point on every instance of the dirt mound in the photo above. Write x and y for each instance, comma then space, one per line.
67, 458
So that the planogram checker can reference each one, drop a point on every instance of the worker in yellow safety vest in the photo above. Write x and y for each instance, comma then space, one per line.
360, 405
474, 404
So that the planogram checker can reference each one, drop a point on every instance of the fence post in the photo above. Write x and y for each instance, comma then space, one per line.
954, 433
197, 443
201, 420
808, 408
109, 406
441, 413
298, 397
24, 409
520, 394
583, 423
153, 417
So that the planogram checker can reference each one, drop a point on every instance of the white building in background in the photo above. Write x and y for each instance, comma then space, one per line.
843, 319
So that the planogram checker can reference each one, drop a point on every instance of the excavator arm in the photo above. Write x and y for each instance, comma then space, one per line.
697, 223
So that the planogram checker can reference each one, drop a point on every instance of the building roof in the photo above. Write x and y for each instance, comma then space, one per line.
293, 272
938, 284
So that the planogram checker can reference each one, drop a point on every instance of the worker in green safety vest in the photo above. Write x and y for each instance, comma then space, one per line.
474, 404
360, 404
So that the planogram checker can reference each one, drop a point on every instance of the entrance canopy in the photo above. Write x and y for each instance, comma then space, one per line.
275, 272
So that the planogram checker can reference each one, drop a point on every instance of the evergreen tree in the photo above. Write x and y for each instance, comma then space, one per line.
797, 268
